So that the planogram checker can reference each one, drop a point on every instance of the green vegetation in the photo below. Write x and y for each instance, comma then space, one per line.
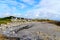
5, 20
47, 20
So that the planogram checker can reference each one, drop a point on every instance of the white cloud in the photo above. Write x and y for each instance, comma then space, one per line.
21, 5
47, 9
44, 9
15, 3
13, 14
30, 2
17, 15
9, 7
6, 14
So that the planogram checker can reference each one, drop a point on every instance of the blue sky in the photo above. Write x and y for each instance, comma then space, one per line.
31, 8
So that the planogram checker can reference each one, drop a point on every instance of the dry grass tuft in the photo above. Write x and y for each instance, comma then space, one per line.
2, 37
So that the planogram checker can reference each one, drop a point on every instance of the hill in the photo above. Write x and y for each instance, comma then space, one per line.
6, 20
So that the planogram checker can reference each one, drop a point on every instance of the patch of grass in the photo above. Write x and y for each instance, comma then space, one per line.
5, 21
3, 37
49, 21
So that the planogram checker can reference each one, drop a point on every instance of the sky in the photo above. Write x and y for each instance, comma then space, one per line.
46, 9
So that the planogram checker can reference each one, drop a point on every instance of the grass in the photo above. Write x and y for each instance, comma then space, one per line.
5, 21
3, 37
47, 20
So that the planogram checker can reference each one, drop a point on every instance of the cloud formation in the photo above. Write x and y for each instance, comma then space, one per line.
46, 9
31, 8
